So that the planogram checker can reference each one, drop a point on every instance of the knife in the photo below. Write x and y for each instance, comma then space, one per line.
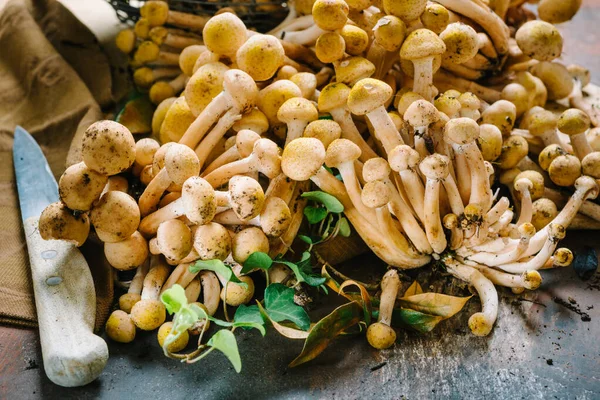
65, 298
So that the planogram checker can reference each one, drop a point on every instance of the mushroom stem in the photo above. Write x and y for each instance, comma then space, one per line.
498, 259
434, 167
211, 140
529, 280
480, 323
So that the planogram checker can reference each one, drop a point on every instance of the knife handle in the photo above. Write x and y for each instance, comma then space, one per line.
65, 300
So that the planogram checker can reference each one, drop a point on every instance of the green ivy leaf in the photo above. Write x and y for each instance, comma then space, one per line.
246, 313
259, 260
421, 322
332, 204
305, 239
279, 303
315, 215
326, 116
174, 299
246, 322
225, 342
327, 329
344, 227
219, 267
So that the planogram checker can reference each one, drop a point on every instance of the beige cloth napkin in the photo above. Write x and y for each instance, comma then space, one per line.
54, 79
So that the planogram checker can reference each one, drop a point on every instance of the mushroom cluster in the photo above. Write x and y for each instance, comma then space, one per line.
421, 107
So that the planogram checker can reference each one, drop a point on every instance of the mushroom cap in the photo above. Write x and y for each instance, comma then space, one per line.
450, 221
158, 34
108, 147
590, 164
564, 170
548, 154
461, 130
254, 120
142, 28
178, 344
518, 95
79, 186
302, 158
145, 150
158, 162
353, 69
297, 109
589, 184
125, 40
407, 10
422, 43
224, 34
526, 230
469, 100
261, 56
323, 129
555, 12
146, 52
332, 96
403, 157
367, 95
116, 216
330, 47
355, 38
275, 217
381, 336
156, 12
128, 300
421, 113
502, 114
267, 157
461, 41
160, 91
273, 96
199, 200
177, 120
174, 239
522, 184
449, 105
212, 241
474, 212
376, 169
375, 194
286, 72
244, 142
544, 211
593, 138
479, 324
573, 122
119, 327
563, 257
542, 122
146, 175
389, 32
490, 142
127, 254
248, 241
330, 15
188, 58
580, 73
235, 294
247, 197
358, 5
539, 40
556, 231
181, 162
435, 17
204, 85
307, 82
59, 223
406, 100
242, 89
341, 151
143, 77
556, 78
148, 314
435, 166
536, 191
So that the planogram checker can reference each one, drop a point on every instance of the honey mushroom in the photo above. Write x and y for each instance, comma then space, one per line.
115, 217
57, 222
174, 240
244, 143
79, 186
420, 47
149, 52
133, 295
127, 254
157, 13
162, 90
149, 313
175, 38
144, 77
108, 147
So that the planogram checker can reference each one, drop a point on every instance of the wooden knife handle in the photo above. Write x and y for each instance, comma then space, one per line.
65, 299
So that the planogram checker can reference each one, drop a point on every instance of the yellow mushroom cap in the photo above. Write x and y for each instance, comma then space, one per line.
367, 95
422, 43
261, 56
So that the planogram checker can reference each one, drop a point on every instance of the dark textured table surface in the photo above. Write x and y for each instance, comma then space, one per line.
538, 348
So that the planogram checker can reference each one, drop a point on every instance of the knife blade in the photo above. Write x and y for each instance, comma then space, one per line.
64, 292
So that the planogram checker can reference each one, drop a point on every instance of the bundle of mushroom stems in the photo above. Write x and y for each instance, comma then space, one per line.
420, 106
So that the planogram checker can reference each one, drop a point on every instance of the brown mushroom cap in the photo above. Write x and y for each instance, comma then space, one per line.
246, 197
537, 181
127, 254
248, 241
174, 239
462, 130
403, 157
120, 327
422, 43
544, 211
108, 147
461, 43
564, 170
275, 217
539, 40
514, 149
435, 166
573, 122
590, 164
79, 186
367, 95
59, 223
145, 150
375, 194
212, 241
199, 200
302, 158
115, 217
376, 169
242, 89
181, 162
